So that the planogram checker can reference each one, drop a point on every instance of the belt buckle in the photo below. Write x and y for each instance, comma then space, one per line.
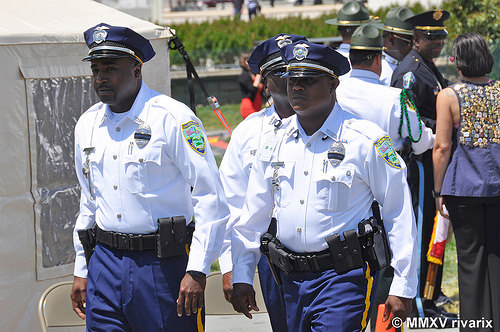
122, 241
302, 264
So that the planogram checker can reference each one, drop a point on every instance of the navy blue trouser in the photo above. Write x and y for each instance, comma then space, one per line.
136, 291
327, 301
273, 297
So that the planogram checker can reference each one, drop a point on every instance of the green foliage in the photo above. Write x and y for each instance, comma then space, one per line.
481, 16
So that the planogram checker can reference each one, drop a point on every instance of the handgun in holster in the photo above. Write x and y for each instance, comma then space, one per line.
267, 239
373, 240
88, 240
171, 237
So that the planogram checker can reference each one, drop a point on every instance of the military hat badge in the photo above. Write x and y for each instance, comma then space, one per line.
300, 51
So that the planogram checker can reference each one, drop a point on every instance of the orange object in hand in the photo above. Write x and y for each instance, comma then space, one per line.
381, 326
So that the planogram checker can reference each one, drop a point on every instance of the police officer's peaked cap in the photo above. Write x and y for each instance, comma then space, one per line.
107, 41
266, 57
395, 21
431, 22
307, 59
352, 13
367, 37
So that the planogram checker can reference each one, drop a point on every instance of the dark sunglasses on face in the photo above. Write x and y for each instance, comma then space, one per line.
278, 72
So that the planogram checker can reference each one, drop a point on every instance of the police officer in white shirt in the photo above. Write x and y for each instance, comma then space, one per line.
379, 103
398, 36
143, 161
319, 183
236, 165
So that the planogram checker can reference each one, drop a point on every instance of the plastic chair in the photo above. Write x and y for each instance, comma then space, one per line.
55, 310
216, 304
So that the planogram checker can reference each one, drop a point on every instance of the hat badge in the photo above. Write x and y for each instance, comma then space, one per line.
437, 14
300, 51
283, 40
100, 34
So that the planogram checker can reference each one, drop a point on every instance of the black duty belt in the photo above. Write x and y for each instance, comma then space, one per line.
122, 241
315, 262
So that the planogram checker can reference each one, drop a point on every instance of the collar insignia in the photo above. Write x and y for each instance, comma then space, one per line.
100, 34
300, 51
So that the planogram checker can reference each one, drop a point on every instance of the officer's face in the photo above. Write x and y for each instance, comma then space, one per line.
429, 47
116, 81
311, 96
400, 45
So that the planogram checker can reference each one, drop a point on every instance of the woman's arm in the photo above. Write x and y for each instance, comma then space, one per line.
446, 106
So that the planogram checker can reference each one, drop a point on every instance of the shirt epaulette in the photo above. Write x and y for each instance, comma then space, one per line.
367, 128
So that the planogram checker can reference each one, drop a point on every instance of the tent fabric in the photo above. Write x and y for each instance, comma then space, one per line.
45, 88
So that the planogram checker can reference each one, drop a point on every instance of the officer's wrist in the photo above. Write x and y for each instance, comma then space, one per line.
436, 194
196, 274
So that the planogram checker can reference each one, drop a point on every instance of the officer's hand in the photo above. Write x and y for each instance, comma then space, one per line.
243, 299
78, 295
399, 307
227, 285
191, 294
440, 207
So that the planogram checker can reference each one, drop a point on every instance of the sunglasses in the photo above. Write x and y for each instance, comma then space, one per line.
409, 41
278, 73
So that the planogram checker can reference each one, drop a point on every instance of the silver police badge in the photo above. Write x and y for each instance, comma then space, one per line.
283, 40
336, 153
100, 34
300, 51
142, 135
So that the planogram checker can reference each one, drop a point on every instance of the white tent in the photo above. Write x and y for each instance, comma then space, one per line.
45, 87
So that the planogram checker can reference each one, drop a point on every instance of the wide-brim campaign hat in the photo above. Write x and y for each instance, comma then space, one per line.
395, 21
367, 37
107, 41
352, 13
430, 22
306, 59
266, 56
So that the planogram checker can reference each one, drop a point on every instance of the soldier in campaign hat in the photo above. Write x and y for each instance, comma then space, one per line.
352, 14
319, 178
398, 37
418, 74
144, 167
247, 141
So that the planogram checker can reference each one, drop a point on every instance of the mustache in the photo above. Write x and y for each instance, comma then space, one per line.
103, 87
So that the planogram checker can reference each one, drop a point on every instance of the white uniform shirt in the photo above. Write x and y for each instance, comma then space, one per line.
133, 186
381, 104
316, 199
389, 64
236, 166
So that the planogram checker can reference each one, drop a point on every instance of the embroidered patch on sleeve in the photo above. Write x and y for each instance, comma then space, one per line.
193, 134
386, 150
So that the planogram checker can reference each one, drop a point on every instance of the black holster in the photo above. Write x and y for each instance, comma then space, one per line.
172, 237
268, 241
88, 239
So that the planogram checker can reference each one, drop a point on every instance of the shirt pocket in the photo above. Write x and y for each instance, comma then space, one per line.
332, 189
143, 170
283, 192
96, 169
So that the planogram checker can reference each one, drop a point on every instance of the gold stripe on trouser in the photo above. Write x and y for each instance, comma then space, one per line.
199, 322
369, 280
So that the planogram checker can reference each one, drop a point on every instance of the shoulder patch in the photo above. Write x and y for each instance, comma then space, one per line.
193, 134
386, 150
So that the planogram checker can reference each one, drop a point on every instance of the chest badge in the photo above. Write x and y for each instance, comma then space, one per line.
336, 153
142, 135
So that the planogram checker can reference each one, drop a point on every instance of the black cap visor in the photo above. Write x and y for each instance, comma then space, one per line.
305, 72
107, 54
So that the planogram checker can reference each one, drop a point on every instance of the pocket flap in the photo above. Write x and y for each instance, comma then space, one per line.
153, 154
342, 175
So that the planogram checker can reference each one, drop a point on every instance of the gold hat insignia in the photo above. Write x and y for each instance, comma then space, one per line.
437, 14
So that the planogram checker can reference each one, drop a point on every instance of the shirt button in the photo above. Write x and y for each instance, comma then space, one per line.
115, 187
115, 156
299, 229
119, 215
141, 160
308, 145
306, 172
301, 201
333, 178
118, 128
